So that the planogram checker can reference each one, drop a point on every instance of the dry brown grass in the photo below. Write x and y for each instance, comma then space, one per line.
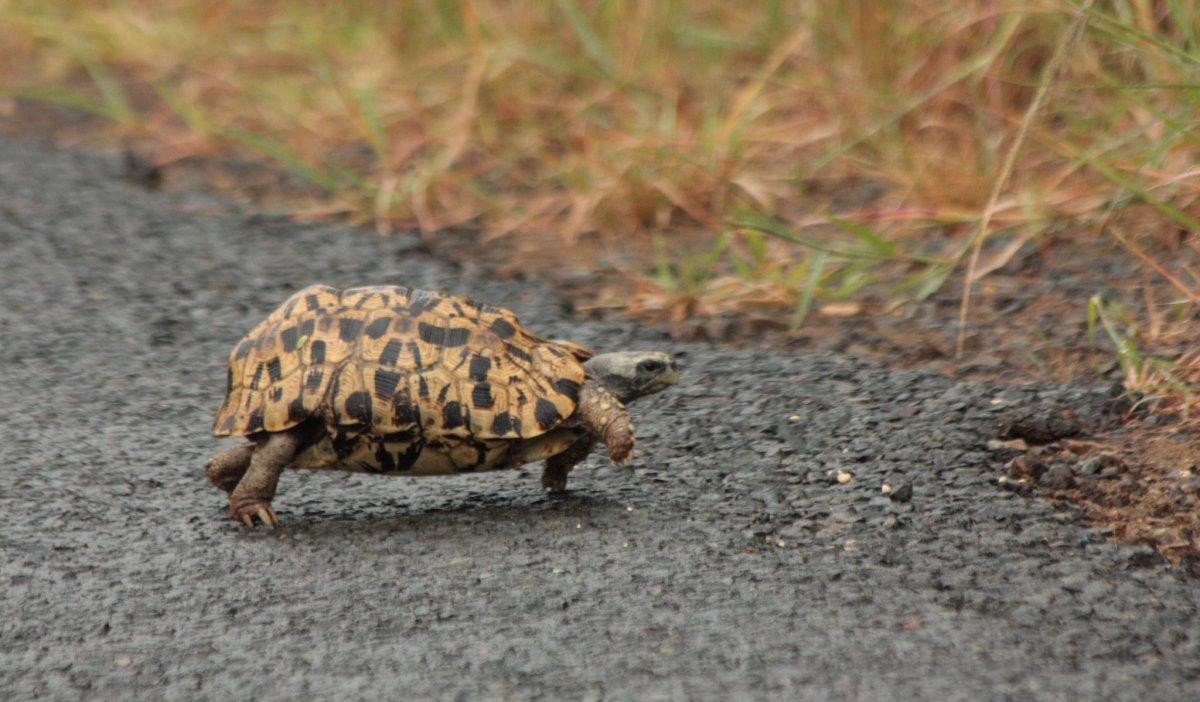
783, 155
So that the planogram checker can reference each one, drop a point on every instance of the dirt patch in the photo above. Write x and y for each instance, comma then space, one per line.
1141, 483
1138, 481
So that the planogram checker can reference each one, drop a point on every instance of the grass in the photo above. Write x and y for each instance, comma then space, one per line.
767, 156
1162, 382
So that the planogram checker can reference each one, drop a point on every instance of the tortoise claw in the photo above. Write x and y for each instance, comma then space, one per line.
254, 512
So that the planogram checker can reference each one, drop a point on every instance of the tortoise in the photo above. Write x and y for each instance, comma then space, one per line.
401, 381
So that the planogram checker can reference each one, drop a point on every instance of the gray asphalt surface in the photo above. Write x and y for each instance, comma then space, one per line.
728, 565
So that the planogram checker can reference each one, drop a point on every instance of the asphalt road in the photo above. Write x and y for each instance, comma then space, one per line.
730, 564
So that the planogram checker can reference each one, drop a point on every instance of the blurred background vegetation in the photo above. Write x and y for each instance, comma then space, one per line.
760, 157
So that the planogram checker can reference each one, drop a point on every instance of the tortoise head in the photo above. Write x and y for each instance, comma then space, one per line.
633, 374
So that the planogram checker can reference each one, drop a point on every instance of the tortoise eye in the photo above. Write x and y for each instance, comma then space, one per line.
650, 366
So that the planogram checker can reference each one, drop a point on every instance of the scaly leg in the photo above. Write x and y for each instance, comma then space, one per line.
604, 416
253, 494
554, 475
227, 467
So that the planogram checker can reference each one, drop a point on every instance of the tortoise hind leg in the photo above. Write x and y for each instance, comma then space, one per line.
554, 475
254, 492
551, 448
225, 469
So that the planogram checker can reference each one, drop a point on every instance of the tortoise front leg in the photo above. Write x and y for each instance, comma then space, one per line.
604, 416
554, 475
254, 492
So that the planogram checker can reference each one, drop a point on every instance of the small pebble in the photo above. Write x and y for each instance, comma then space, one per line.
123, 661
1019, 486
1023, 467
903, 493
843, 477
1005, 445
885, 488
1059, 477
850, 545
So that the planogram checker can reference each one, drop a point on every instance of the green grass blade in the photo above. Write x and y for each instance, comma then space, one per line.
773, 227
1093, 312
450, 19
191, 113
865, 235
1142, 194
932, 280
1185, 19
117, 106
593, 46
816, 266
1123, 30
364, 102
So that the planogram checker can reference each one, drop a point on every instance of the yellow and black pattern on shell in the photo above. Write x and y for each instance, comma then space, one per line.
393, 361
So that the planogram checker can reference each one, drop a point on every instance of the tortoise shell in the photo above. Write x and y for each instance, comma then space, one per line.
390, 360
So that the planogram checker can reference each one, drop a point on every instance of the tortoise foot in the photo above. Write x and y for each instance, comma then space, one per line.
554, 478
555, 486
621, 451
251, 512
